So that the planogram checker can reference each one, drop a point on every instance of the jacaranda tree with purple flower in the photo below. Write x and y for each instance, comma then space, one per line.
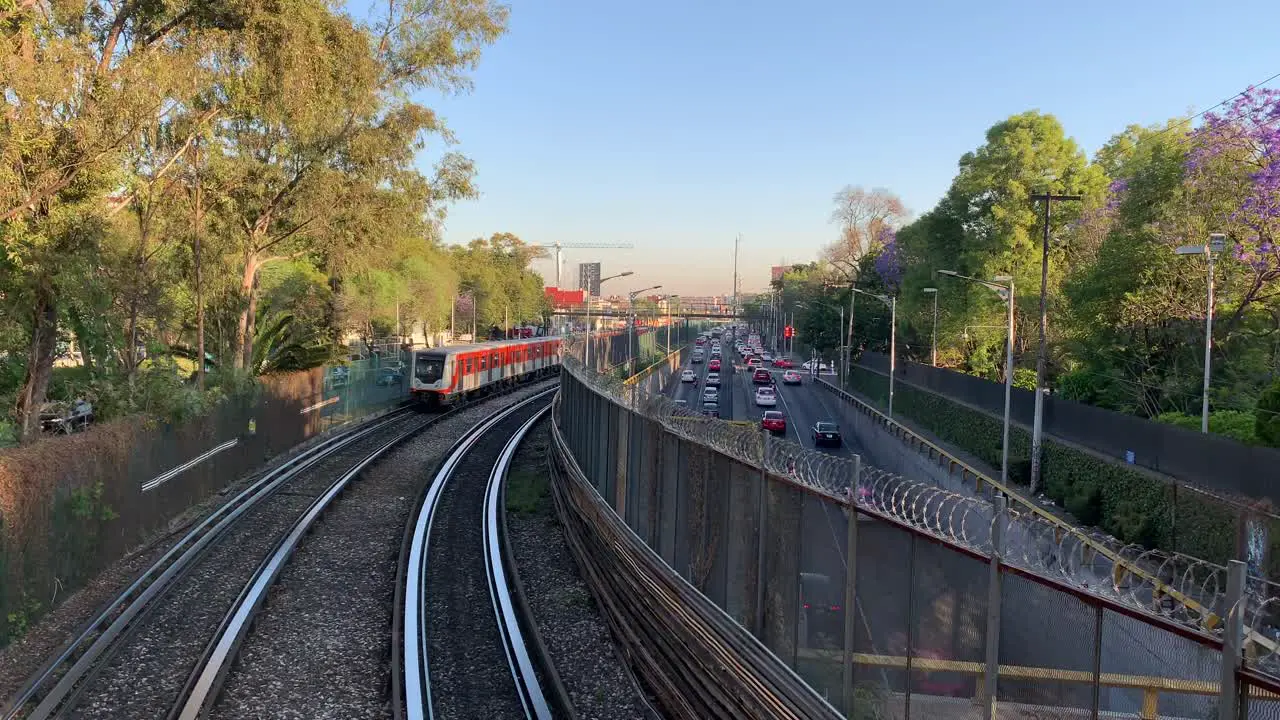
1233, 177
888, 263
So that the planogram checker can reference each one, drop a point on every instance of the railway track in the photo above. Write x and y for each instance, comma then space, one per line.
464, 645
160, 639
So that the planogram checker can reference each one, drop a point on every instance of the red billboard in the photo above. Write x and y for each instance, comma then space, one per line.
565, 298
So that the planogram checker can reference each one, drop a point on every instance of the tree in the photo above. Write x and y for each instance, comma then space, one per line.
159, 161
1234, 181
82, 81
863, 216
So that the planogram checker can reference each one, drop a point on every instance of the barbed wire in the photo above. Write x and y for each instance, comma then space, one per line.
1178, 587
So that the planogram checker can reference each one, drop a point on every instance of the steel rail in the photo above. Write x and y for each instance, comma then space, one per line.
504, 608
101, 634
412, 654
206, 680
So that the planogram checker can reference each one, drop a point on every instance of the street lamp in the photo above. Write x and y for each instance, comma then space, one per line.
1217, 243
602, 281
1005, 291
667, 301
933, 354
631, 331
892, 302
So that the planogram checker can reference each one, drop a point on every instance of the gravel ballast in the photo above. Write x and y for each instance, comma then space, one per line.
598, 682
144, 674
466, 659
21, 658
320, 648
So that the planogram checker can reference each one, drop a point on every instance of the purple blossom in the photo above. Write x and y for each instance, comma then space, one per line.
888, 264
1233, 162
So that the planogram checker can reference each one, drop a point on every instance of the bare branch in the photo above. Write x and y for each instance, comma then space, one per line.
120, 204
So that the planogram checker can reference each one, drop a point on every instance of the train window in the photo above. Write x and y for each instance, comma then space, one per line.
428, 368
495, 360
482, 359
468, 366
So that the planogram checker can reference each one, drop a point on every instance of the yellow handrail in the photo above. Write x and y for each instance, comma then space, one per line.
644, 372
1151, 686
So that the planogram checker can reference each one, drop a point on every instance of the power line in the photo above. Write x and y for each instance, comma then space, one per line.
1208, 110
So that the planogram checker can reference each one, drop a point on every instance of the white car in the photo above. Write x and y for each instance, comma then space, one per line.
766, 397
688, 376
713, 379
768, 357
697, 357
822, 367
711, 393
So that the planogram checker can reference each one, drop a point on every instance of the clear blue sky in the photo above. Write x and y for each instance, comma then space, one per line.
677, 125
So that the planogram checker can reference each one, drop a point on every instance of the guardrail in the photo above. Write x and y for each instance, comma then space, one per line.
1208, 578
698, 661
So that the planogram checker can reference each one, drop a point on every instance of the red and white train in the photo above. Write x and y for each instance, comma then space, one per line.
443, 375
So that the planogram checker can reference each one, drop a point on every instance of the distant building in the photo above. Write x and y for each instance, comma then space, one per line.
589, 278
777, 271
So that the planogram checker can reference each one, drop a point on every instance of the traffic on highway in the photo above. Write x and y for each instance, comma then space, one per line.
733, 376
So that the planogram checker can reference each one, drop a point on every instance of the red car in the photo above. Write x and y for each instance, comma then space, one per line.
714, 365
783, 363
761, 377
774, 422
699, 341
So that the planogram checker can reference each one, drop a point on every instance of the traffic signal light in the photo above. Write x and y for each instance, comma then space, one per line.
789, 332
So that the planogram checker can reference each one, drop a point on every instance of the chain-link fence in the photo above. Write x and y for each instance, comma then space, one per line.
897, 598
70, 505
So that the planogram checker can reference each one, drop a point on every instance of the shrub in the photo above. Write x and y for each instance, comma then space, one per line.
1235, 424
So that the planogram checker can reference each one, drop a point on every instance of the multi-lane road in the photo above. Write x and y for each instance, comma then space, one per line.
803, 405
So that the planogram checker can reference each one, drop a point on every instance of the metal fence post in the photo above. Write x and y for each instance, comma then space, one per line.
991, 675
1232, 642
850, 591
762, 535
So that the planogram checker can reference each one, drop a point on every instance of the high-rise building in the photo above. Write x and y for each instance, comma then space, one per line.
589, 278
777, 271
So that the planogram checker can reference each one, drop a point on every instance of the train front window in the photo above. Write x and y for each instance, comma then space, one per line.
428, 369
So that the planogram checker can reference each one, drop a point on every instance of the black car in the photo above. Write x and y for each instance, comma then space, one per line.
388, 376
822, 615
826, 433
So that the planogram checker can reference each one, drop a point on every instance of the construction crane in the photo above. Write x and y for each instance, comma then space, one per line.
558, 246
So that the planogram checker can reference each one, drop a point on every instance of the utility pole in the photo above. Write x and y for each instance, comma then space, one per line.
736, 240
1042, 352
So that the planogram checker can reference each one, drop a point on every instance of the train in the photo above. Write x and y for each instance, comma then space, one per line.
444, 375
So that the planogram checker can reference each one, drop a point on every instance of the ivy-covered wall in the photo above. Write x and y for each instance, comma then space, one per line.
1127, 503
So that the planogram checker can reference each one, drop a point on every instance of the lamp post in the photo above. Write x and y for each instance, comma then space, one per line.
1006, 291
1217, 243
933, 353
602, 281
667, 301
631, 330
892, 302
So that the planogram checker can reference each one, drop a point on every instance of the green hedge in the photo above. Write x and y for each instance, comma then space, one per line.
1127, 503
